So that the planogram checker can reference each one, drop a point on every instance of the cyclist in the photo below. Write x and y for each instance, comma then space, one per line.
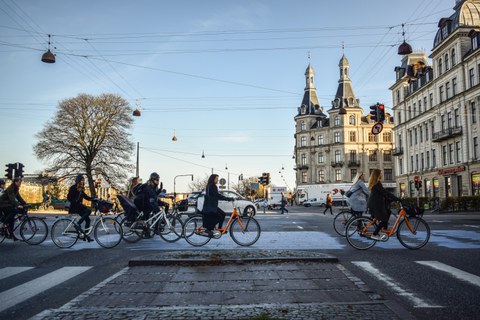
146, 198
360, 193
76, 194
2, 186
135, 183
10, 203
212, 214
379, 203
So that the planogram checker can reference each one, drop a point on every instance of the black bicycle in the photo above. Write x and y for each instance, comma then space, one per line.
32, 230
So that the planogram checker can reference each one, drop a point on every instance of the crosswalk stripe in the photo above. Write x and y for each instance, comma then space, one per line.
389, 282
457, 273
31, 288
11, 271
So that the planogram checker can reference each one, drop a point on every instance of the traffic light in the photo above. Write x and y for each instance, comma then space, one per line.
18, 170
374, 112
418, 182
9, 171
260, 179
267, 180
381, 113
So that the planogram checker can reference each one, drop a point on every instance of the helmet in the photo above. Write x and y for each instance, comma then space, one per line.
79, 178
154, 176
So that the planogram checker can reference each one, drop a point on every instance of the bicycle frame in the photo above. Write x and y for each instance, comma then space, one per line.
390, 232
235, 215
153, 220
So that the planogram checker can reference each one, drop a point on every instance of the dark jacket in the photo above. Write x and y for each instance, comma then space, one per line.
211, 199
11, 198
379, 202
76, 198
146, 198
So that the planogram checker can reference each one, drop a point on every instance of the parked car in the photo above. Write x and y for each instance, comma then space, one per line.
192, 198
313, 202
246, 206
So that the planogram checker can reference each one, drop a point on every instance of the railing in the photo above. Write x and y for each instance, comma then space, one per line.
354, 163
447, 134
337, 164
397, 151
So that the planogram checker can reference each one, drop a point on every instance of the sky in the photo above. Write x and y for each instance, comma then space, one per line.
224, 77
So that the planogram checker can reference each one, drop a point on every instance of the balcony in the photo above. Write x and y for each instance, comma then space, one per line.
398, 151
337, 164
302, 167
447, 134
353, 163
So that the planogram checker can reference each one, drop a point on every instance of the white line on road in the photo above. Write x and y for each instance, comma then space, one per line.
456, 273
389, 282
300, 227
29, 289
10, 271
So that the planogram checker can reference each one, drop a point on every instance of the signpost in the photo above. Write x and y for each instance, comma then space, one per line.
377, 128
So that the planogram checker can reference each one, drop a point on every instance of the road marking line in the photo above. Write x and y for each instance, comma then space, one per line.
389, 282
471, 226
456, 273
29, 289
11, 271
300, 227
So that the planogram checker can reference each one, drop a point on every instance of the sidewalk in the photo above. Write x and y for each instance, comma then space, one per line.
240, 284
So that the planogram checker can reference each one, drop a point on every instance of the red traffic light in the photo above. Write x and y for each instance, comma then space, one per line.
417, 178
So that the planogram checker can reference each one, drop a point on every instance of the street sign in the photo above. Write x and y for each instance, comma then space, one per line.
222, 181
377, 128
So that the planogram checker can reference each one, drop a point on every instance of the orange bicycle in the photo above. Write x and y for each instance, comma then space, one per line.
412, 231
245, 230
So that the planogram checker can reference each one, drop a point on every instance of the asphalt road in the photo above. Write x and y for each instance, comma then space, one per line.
440, 281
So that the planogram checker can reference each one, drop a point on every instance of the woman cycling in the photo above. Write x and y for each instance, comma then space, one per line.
360, 193
76, 194
212, 214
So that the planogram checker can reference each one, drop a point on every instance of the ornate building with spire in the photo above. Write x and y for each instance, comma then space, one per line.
332, 149
437, 110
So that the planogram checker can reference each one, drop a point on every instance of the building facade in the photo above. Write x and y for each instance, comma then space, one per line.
332, 148
436, 110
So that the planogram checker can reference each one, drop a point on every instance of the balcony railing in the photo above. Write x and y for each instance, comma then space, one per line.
398, 151
302, 167
354, 163
447, 134
337, 164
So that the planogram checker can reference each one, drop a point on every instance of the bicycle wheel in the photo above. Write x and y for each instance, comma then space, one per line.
119, 217
358, 232
341, 220
192, 231
107, 232
63, 233
245, 232
3, 232
129, 235
171, 231
33, 230
418, 238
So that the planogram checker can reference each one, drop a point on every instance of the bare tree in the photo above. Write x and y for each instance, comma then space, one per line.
88, 135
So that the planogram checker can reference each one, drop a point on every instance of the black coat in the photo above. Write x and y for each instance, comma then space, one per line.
379, 202
76, 199
146, 198
211, 199
11, 197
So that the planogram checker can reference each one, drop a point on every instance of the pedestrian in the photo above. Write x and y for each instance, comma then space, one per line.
76, 194
11, 203
283, 202
360, 193
328, 205
379, 203
212, 214
265, 204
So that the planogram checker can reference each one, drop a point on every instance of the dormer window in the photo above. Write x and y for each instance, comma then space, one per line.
303, 126
475, 42
303, 109
444, 31
352, 120
336, 121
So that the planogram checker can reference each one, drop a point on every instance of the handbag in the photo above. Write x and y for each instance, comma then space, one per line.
349, 193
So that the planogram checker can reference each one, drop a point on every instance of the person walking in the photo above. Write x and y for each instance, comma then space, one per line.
76, 194
212, 214
379, 203
360, 193
328, 204
283, 203
11, 202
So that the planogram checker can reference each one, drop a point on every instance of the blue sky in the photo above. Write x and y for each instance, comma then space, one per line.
226, 77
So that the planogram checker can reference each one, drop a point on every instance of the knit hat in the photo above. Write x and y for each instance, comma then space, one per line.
79, 178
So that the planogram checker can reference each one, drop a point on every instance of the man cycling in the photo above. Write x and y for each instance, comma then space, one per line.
146, 199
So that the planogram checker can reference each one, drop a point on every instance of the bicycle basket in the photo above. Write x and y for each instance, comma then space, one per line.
183, 205
105, 206
414, 211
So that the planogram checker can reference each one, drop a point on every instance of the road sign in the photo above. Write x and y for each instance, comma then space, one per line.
377, 128
222, 181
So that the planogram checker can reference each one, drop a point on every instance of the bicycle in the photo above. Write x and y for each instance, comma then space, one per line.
167, 226
33, 230
341, 220
107, 232
411, 230
244, 231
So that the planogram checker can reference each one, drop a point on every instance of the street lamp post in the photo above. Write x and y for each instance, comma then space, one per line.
174, 183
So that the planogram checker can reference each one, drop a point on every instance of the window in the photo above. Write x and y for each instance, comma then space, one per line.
321, 175
338, 175
454, 86
338, 156
450, 152
398, 96
336, 137
449, 120
473, 109
471, 77
352, 136
431, 100
303, 159
434, 159
336, 121
457, 151
420, 133
304, 126
400, 165
372, 155
410, 137
321, 158
420, 106
425, 102
475, 148
443, 122
320, 140
388, 174
454, 58
387, 155
416, 162
303, 141
352, 120
409, 112
446, 61
415, 135
411, 163
440, 91
433, 127
474, 42
426, 132
440, 66
387, 137
371, 137
444, 152
353, 173
447, 90
457, 117
353, 156
304, 177
414, 109
422, 163
399, 117
428, 159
